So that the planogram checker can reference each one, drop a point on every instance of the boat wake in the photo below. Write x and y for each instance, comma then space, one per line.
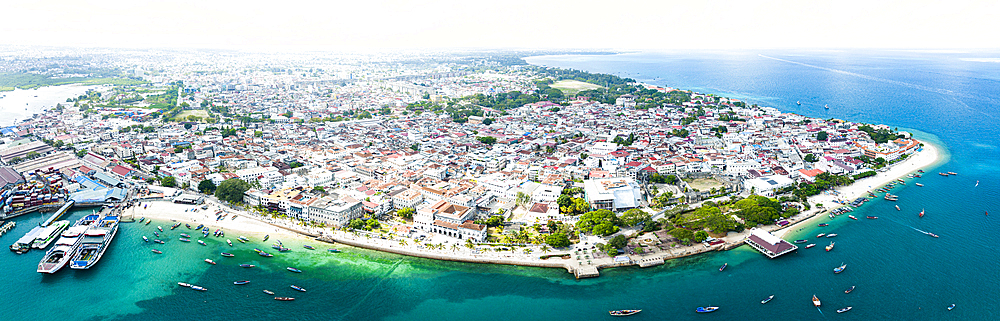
914, 228
820, 311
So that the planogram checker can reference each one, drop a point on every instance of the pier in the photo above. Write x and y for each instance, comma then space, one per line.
59, 213
4, 227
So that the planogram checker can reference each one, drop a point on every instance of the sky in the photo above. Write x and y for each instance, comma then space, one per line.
514, 24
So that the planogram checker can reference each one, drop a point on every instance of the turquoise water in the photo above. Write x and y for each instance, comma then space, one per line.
900, 273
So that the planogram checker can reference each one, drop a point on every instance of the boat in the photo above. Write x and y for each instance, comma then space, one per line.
49, 234
269, 292
294, 269
184, 235
209, 261
951, 307
897, 207
198, 288
844, 310
298, 288
157, 241
199, 226
801, 241
823, 225
227, 254
145, 239
816, 301
95, 242
157, 234
820, 235
308, 247
241, 282
810, 245
623, 313
175, 225
147, 222
871, 217
849, 290
921, 212
706, 309
159, 228
831, 235
185, 240
932, 234
265, 254
840, 268
229, 242
184, 284
247, 265
242, 239
826, 106
829, 247
765, 301
187, 225
266, 237
202, 242
852, 217
918, 184
157, 251
282, 298
257, 250
57, 257
952, 173
333, 250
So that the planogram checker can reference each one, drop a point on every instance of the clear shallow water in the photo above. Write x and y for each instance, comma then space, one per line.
899, 272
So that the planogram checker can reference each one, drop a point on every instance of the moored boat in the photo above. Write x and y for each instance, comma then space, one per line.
823, 225
820, 235
849, 290
801, 241
871, 217
921, 212
266, 237
294, 269
209, 261
706, 309
159, 228
623, 313
918, 184
202, 242
185, 236
852, 217
816, 301
298, 288
185, 240
723, 267
49, 234
952, 306
157, 251
952, 173
60, 254
242, 239
145, 239
283, 298
186, 285
157, 241
227, 254
844, 310
829, 247
269, 292
831, 235
309, 247
333, 250
229, 242
765, 301
247, 265
95, 243
810, 245
198, 288
265, 254
241, 282
840, 268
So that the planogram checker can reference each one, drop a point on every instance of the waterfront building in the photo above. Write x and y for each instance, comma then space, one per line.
772, 246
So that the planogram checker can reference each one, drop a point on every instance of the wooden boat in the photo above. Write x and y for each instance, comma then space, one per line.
849, 290
227, 254
765, 301
897, 208
202, 242
820, 235
810, 245
157, 251
145, 239
852, 217
918, 184
829, 247
241, 282
816, 301
184, 284
247, 265
184, 235
871, 217
269, 292
333, 250
844, 310
623, 313
309, 247
282, 298
185, 240
823, 225
229, 242
209, 261
293, 269
952, 173
951, 307
706, 309
157, 241
298, 288
839, 269
198, 288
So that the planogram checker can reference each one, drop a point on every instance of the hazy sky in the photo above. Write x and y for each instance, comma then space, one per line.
663, 24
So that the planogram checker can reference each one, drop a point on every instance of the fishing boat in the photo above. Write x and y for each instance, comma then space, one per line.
185, 240
157, 234
298, 288
209, 261
202, 242
706, 309
951, 307
826, 106
816, 301
266, 237
844, 310
199, 226
241, 282
187, 225
801, 241
829, 247
159, 228
852, 217
198, 288
871, 217
265, 254
282, 298
333, 250
229, 242
820, 235
308, 247
147, 222
157, 241
145, 239
157, 251
269, 292
823, 225
95, 242
932, 234
918, 184
257, 250
831, 235
142, 219
921, 212
242, 239
798, 103
952, 173
247, 265
810, 245
184, 284
849, 290
623, 313
227, 254
184, 235
942, 174
765, 301
840, 268
294, 269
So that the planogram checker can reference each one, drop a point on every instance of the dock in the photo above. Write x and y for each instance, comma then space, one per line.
59, 213
586, 272
4, 227
651, 262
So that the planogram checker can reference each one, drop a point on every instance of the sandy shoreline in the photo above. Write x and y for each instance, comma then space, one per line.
930, 155
169, 211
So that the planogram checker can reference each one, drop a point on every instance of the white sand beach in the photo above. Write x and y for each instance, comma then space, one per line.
166, 210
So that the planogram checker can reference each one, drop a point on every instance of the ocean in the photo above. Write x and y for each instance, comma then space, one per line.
950, 98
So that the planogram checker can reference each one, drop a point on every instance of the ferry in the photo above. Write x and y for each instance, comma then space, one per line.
623, 313
844, 310
300, 271
831, 235
157, 251
157, 241
241, 282
829, 247
202, 242
871, 217
282, 298
820, 235
198, 288
227, 254
95, 242
308, 247
184, 235
298, 288
186, 285
823, 224
816, 301
706, 309
951, 307
247, 265
57, 257
810, 245
765, 301
852, 217
49, 234
840, 268
209, 261
229, 242
801, 241
849, 290
269, 292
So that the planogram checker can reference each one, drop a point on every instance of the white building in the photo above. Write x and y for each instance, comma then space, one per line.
766, 185
614, 194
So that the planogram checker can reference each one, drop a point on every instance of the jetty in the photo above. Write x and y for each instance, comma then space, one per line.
59, 213
4, 227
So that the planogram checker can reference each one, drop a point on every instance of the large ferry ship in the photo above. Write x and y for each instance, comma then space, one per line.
60, 254
94, 243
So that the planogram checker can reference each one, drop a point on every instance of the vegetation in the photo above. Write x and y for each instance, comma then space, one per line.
880, 136
406, 212
488, 140
169, 181
557, 240
231, 190
9, 81
822, 135
206, 187
824, 181
571, 205
863, 175
600, 222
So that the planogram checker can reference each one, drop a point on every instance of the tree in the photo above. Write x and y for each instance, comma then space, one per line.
187, 126
488, 140
406, 212
604, 229
81, 153
682, 234
206, 187
557, 239
618, 242
634, 216
488, 121
822, 135
294, 164
169, 181
231, 190
700, 236
494, 221
811, 158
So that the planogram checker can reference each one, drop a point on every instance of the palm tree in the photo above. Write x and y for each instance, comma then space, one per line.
402, 242
454, 247
545, 249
